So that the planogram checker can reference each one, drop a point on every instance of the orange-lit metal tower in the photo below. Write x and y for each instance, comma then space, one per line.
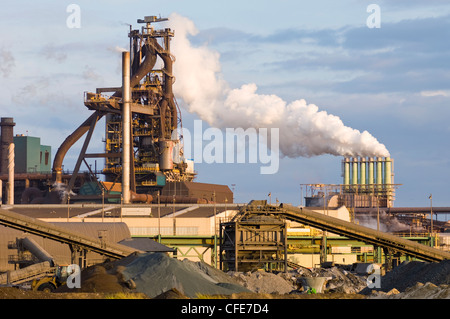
155, 118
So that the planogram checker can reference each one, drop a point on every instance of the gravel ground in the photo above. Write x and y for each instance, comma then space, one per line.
415, 280
163, 277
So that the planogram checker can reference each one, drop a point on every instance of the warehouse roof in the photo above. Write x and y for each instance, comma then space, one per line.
146, 244
62, 211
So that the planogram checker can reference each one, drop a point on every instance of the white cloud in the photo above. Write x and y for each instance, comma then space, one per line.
435, 93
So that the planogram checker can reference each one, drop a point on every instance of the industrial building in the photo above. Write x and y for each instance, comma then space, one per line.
30, 156
367, 183
148, 190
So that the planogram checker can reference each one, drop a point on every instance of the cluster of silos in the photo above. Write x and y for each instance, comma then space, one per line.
370, 175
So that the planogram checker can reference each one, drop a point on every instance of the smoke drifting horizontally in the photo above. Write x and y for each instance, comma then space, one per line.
304, 130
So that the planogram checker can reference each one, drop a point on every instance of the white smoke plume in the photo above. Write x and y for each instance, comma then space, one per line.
387, 223
304, 129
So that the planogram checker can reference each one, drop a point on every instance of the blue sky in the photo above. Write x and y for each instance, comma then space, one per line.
393, 81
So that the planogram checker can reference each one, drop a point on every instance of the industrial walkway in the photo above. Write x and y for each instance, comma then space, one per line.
75, 240
365, 234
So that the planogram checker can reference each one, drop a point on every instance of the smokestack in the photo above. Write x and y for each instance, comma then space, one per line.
379, 173
370, 173
7, 138
362, 178
355, 171
11, 174
346, 172
126, 126
388, 172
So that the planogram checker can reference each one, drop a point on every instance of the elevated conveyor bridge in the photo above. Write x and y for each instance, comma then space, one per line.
78, 243
358, 232
235, 246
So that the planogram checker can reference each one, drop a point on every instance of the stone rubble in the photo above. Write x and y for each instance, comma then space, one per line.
156, 274
338, 280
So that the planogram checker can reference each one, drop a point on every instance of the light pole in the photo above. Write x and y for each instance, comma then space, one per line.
173, 215
431, 212
301, 195
103, 204
378, 214
68, 207
159, 216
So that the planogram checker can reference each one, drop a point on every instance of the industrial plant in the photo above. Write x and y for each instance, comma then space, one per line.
145, 198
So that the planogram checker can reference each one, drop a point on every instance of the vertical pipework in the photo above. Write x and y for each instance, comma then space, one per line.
362, 178
355, 171
11, 174
346, 172
126, 126
379, 173
370, 173
388, 173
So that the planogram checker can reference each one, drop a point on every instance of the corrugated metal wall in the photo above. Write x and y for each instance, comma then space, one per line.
112, 232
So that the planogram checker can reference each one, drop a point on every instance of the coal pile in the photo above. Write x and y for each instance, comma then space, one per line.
265, 282
156, 273
415, 280
418, 291
338, 280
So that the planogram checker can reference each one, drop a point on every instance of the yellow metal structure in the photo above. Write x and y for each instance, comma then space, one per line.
50, 283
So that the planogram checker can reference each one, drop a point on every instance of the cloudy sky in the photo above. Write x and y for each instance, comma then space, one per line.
392, 81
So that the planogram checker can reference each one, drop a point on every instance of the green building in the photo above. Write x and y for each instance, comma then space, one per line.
31, 156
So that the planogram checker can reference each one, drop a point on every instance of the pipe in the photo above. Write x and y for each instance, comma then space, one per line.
180, 199
346, 171
388, 180
379, 173
388, 171
141, 198
67, 144
149, 62
11, 174
168, 82
370, 175
143, 70
32, 246
126, 127
355, 171
362, 179
165, 199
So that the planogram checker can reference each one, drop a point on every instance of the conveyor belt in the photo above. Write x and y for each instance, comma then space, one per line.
62, 235
365, 234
